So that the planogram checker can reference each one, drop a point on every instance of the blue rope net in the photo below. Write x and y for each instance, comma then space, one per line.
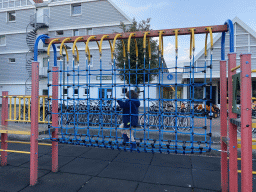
89, 114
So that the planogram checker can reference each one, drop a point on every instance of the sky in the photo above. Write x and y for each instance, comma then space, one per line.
169, 14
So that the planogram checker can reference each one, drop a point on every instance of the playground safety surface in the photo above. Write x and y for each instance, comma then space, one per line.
99, 169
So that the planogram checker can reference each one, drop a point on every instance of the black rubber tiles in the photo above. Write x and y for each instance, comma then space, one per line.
169, 176
160, 188
207, 163
101, 154
253, 182
135, 172
73, 150
173, 161
85, 166
97, 184
206, 179
64, 182
15, 178
45, 162
17, 159
134, 157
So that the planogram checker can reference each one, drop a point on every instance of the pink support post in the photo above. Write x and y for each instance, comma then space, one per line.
246, 122
55, 119
233, 177
223, 120
4, 136
34, 124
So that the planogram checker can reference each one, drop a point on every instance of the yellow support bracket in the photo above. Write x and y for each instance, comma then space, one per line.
102, 38
129, 42
209, 29
87, 51
192, 41
49, 46
176, 31
62, 45
124, 53
144, 40
114, 44
161, 43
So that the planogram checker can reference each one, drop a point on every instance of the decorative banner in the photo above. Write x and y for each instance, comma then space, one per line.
169, 77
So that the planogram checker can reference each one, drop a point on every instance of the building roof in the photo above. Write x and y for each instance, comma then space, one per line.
215, 39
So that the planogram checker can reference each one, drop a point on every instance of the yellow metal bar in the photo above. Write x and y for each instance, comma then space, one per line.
49, 46
136, 49
102, 38
144, 40
19, 107
253, 140
124, 53
16, 132
205, 46
253, 172
87, 46
239, 146
192, 41
114, 44
24, 109
176, 39
74, 44
13, 151
62, 44
23, 142
43, 109
235, 68
129, 42
209, 29
14, 108
253, 70
38, 109
29, 109
111, 49
10, 108
149, 49
161, 43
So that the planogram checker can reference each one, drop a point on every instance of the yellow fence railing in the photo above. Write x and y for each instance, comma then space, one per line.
19, 108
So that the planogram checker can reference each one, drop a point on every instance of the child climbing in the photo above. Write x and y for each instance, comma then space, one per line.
130, 115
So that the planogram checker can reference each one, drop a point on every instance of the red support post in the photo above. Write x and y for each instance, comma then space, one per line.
4, 136
34, 124
246, 122
223, 121
233, 176
55, 118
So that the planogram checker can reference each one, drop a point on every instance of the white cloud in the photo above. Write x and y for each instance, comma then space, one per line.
169, 52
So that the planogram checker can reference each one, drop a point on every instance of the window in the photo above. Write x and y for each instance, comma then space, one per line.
89, 31
86, 91
45, 91
76, 9
2, 40
45, 62
11, 15
59, 32
124, 90
76, 91
11, 60
75, 32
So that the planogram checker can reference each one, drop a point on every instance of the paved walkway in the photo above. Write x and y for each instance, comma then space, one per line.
95, 169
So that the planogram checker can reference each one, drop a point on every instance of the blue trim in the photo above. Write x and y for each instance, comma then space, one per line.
40, 37
231, 39
223, 46
43, 37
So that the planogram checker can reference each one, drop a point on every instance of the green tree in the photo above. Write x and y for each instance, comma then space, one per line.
142, 74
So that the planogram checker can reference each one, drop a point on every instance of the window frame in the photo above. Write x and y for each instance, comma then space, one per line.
88, 91
123, 88
56, 32
8, 16
74, 30
87, 31
74, 5
9, 60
